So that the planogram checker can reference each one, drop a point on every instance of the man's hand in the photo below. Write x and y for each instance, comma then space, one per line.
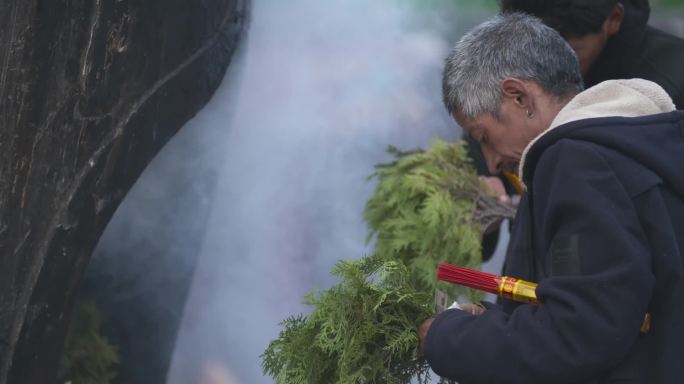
495, 187
473, 309
423, 331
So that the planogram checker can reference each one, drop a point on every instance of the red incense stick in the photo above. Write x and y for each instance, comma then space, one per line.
508, 287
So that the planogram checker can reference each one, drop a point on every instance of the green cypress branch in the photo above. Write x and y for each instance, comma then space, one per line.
428, 207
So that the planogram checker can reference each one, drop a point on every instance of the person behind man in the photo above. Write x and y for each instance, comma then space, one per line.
612, 41
600, 227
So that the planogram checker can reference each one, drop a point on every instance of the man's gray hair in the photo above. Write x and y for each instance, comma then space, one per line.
510, 45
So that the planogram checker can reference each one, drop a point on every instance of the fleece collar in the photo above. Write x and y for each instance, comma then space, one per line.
623, 98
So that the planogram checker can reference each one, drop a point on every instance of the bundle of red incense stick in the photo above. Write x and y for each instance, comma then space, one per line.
508, 287
504, 286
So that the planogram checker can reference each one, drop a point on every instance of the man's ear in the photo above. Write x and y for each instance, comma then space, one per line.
517, 91
613, 22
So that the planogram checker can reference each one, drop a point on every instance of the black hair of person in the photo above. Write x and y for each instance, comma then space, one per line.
571, 18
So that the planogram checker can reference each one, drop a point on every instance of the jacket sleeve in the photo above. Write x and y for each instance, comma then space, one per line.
593, 300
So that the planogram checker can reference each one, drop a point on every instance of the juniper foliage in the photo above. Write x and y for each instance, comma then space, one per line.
362, 330
428, 207
423, 211
89, 358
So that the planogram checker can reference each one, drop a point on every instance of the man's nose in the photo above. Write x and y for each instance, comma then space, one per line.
492, 159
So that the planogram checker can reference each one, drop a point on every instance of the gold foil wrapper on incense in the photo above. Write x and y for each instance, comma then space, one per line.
517, 290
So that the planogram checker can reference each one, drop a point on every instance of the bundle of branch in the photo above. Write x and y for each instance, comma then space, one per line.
362, 330
428, 207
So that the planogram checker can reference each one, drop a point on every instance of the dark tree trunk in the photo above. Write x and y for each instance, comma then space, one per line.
90, 90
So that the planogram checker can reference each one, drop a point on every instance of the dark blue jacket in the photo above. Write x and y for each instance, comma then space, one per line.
601, 229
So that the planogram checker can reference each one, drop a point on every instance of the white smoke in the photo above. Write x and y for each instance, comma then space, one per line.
279, 157
324, 87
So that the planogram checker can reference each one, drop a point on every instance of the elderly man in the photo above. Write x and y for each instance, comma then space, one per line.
612, 41
600, 226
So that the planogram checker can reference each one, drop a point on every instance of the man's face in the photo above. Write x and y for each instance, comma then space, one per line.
502, 139
588, 48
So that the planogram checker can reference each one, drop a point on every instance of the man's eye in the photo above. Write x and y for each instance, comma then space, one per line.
483, 139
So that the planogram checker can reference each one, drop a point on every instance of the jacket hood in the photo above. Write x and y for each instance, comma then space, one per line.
630, 98
633, 117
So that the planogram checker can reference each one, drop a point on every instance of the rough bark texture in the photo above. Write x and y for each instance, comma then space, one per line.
89, 92
142, 269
